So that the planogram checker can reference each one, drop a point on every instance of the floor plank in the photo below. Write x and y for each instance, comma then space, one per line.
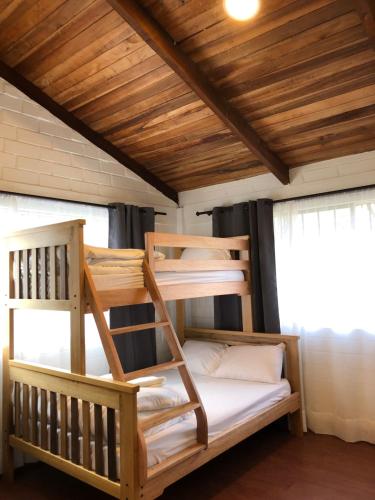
271, 465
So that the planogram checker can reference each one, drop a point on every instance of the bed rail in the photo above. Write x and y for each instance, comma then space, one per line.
181, 241
177, 292
240, 247
69, 422
44, 265
291, 363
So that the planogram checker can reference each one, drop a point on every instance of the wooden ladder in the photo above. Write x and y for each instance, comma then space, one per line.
178, 362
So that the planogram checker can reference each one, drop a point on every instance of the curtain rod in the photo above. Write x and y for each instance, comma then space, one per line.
326, 193
207, 212
88, 203
306, 196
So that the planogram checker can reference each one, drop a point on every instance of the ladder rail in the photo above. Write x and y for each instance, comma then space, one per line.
177, 353
101, 324
179, 362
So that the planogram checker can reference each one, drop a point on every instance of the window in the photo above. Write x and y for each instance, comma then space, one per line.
325, 257
325, 262
44, 336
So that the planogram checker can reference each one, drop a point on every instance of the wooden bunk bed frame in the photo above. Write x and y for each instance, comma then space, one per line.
47, 270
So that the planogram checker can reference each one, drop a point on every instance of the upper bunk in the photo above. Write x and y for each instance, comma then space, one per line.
46, 267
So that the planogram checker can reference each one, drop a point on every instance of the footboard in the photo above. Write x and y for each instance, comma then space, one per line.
84, 426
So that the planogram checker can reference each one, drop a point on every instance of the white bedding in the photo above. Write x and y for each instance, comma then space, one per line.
113, 281
242, 399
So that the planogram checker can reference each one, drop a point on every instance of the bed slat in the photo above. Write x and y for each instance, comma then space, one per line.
17, 274
34, 415
63, 426
43, 273
111, 443
99, 459
43, 420
52, 272
25, 274
34, 273
25, 412
74, 429
86, 435
53, 423
63, 274
17, 409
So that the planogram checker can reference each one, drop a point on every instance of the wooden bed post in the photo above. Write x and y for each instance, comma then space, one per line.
129, 463
293, 374
246, 305
247, 314
8, 353
180, 320
150, 250
76, 287
180, 308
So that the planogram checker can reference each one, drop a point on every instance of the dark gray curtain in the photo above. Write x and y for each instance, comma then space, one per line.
127, 225
256, 219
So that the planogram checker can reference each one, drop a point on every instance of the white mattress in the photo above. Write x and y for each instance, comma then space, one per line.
113, 281
171, 278
227, 403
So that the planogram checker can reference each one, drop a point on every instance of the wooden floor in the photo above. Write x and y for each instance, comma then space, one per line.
270, 465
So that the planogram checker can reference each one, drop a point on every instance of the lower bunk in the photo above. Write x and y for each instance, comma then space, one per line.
89, 427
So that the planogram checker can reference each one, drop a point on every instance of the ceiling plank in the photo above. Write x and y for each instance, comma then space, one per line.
79, 126
366, 11
160, 41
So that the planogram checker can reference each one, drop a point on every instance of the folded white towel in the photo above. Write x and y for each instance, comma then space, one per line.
150, 381
115, 262
128, 271
117, 253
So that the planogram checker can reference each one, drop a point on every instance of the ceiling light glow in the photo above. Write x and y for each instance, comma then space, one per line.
241, 10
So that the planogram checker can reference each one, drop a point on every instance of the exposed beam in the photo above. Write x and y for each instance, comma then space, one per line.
161, 42
79, 126
366, 11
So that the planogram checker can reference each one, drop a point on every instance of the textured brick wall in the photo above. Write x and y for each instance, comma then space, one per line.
41, 155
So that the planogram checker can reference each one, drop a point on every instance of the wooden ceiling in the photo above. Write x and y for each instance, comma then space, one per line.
188, 97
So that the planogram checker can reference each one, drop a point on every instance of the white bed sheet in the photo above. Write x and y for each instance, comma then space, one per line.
113, 281
227, 403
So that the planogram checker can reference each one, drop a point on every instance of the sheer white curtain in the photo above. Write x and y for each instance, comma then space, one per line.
325, 257
43, 336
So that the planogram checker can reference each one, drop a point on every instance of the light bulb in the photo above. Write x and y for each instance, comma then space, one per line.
241, 10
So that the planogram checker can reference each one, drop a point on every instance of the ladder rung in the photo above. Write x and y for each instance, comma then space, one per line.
137, 328
152, 369
174, 460
166, 415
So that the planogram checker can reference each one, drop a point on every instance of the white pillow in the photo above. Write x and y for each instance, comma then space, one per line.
205, 254
203, 357
255, 363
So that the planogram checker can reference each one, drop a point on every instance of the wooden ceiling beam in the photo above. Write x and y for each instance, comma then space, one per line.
161, 42
79, 126
366, 11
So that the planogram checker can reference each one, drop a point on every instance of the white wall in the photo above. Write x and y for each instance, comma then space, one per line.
331, 175
40, 155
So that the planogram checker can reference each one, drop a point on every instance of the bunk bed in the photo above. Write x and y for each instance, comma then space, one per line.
88, 426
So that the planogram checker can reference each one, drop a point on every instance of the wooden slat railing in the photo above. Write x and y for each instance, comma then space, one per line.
88, 440
41, 273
